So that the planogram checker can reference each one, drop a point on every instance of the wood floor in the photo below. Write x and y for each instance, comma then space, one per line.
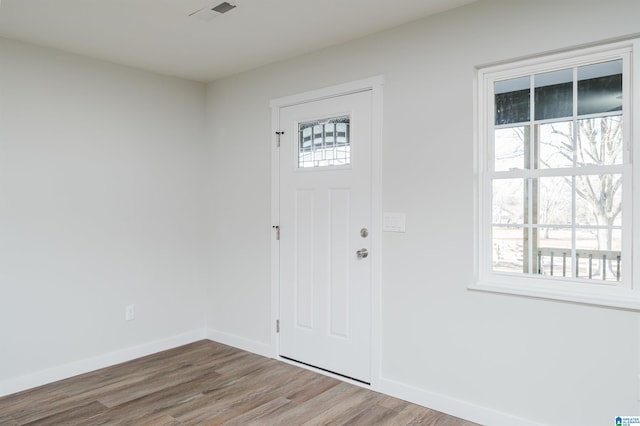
207, 383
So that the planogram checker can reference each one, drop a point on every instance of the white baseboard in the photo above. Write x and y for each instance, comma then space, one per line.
451, 406
65, 371
239, 342
435, 401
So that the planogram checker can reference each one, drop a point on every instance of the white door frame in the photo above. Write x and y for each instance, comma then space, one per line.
375, 84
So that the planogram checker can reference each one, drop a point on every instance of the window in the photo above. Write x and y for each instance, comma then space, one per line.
555, 177
324, 143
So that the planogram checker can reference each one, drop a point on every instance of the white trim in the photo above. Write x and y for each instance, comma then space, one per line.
75, 368
377, 103
240, 342
428, 399
451, 406
326, 373
635, 159
624, 299
375, 84
275, 220
328, 92
565, 59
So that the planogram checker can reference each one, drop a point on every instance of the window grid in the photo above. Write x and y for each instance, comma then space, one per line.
532, 173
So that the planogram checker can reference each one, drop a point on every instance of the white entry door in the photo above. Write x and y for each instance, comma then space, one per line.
325, 221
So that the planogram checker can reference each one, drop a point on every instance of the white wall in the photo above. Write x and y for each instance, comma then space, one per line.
542, 361
110, 196
101, 206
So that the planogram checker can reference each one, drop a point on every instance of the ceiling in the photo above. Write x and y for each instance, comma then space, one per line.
160, 36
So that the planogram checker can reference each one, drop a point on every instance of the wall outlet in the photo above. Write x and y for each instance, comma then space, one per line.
129, 313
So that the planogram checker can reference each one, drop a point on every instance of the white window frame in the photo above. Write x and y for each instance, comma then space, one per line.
624, 294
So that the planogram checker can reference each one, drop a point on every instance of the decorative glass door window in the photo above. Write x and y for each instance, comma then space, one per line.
324, 142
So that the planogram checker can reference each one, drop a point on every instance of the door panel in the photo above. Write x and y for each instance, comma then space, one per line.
325, 200
339, 279
304, 261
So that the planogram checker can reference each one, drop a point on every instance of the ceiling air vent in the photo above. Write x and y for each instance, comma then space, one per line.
223, 7
208, 13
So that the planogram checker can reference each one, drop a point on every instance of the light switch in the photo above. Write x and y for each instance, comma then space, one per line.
394, 222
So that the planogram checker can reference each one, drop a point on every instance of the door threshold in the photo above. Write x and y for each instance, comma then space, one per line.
326, 371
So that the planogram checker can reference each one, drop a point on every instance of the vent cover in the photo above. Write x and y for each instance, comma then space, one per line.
223, 7
208, 13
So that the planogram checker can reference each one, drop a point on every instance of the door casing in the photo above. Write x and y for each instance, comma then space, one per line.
375, 84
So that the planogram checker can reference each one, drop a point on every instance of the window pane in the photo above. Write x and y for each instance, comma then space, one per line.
509, 148
600, 88
600, 141
512, 100
508, 255
599, 200
616, 240
554, 201
599, 239
598, 261
554, 252
554, 94
555, 145
508, 201
324, 143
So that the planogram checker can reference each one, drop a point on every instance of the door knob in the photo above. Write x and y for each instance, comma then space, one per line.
362, 253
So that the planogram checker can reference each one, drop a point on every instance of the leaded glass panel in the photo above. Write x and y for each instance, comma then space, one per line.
324, 142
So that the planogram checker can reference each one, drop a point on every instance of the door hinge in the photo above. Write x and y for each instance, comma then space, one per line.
277, 229
278, 134
277, 326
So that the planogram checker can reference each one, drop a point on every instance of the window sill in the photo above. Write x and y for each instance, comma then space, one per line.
619, 298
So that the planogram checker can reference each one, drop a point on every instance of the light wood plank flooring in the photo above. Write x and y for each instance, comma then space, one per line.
207, 383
